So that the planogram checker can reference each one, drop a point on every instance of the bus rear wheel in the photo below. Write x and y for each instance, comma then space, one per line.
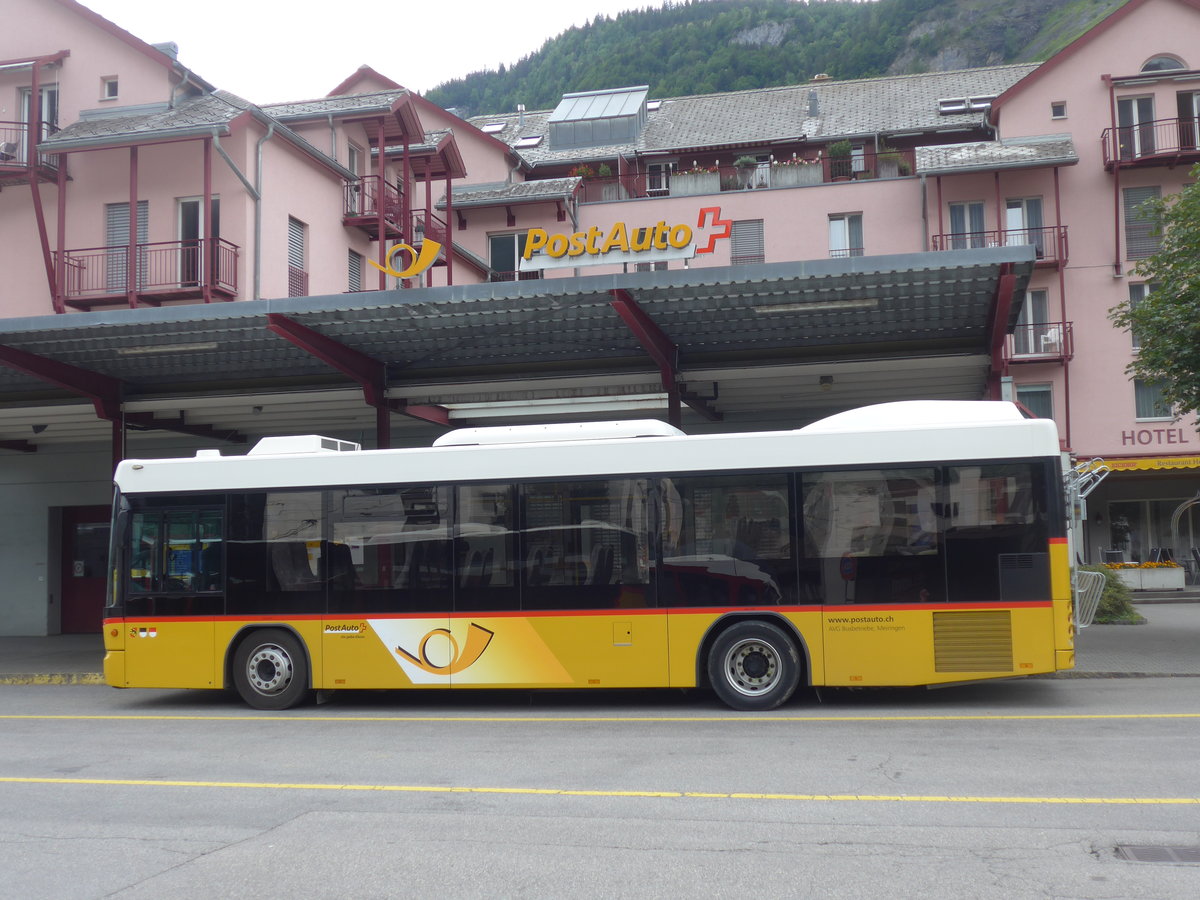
270, 670
753, 666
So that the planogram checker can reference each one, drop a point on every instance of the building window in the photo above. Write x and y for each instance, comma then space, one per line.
1141, 225
1163, 63
1135, 127
297, 276
1035, 333
355, 263
966, 225
109, 88
660, 266
1188, 106
1058, 109
1023, 223
846, 235
505, 251
746, 242
658, 178
1037, 398
1138, 293
1149, 402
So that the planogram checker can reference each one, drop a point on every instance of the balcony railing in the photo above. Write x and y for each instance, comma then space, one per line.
14, 146
365, 197
1040, 342
1159, 142
515, 276
705, 178
428, 225
165, 269
1049, 242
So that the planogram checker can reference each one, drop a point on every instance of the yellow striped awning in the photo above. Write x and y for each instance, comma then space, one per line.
1151, 463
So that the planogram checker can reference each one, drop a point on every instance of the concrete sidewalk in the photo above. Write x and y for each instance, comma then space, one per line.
1167, 645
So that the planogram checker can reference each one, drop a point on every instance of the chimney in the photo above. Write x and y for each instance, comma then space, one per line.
814, 105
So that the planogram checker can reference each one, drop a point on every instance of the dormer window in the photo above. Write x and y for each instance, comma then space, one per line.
1163, 63
954, 105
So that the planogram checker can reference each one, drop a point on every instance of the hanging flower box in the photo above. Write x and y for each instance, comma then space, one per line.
796, 176
684, 184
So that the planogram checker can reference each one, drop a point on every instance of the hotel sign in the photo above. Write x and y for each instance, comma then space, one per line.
624, 244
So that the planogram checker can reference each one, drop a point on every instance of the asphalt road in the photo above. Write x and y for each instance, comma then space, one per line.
1019, 789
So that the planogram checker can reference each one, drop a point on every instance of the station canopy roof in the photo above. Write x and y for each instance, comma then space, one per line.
759, 346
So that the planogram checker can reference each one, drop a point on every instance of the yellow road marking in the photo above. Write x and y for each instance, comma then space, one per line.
727, 718
566, 792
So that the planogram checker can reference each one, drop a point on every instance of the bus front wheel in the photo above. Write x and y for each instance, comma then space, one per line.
753, 666
270, 670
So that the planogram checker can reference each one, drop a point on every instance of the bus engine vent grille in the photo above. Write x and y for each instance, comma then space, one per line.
978, 641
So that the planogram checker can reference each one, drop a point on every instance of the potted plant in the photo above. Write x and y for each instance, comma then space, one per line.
890, 162
746, 166
840, 163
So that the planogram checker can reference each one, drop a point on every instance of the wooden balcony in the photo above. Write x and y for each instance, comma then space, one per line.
1049, 242
1161, 142
14, 156
365, 199
1040, 342
166, 270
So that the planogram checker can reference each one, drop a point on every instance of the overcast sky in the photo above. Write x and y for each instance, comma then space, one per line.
269, 50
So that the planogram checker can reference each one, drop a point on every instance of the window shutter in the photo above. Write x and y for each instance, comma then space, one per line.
355, 262
116, 238
1140, 237
297, 277
746, 242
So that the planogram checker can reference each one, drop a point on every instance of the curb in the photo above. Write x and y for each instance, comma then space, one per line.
56, 678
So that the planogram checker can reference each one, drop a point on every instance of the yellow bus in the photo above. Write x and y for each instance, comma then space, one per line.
910, 543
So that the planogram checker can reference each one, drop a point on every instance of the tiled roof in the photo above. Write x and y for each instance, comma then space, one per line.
819, 110
208, 111
193, 117
348, 103
1010, 153
499, 192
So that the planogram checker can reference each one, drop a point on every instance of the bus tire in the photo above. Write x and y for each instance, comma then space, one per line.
753, 666
270, 669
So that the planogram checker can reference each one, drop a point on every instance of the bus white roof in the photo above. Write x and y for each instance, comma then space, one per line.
918, 432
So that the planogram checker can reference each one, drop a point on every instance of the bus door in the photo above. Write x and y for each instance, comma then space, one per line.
553, 586
174, 587
388, 563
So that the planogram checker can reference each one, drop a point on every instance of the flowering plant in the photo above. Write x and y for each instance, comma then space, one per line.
1144, 565
582, 171
697, 169
794, 161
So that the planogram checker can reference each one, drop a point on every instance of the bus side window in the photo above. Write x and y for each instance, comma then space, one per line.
144, 548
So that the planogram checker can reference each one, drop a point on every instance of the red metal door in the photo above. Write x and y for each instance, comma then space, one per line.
84, 567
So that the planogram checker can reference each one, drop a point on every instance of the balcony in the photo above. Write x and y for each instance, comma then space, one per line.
14, 155
428, 225
704, 178
1049, 242
365, 199
1161, 142
166, 270
1040, 342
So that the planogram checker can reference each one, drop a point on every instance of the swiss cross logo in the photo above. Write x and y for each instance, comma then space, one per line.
721, 228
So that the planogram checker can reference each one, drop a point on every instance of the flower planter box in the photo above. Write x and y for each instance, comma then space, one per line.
1152, 579
702, 183
796, 176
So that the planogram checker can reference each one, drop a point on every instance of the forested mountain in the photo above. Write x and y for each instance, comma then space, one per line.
704, 46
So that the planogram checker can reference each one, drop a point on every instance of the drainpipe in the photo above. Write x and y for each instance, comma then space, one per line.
255, 192
332, 136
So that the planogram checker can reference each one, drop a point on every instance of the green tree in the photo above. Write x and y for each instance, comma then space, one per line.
1167, 320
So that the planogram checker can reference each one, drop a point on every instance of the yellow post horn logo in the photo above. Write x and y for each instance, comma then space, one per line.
421, 261
478, 639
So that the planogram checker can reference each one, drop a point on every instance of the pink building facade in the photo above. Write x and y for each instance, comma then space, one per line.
131, 184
